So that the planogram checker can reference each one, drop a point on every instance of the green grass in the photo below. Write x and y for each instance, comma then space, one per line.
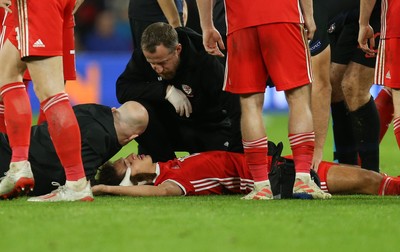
210, 223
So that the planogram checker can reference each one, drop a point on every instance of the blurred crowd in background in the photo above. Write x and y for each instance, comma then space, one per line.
103, 25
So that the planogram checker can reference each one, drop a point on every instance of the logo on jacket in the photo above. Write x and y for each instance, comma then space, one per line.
188, 90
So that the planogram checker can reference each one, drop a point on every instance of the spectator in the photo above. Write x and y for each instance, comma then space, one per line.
105, 35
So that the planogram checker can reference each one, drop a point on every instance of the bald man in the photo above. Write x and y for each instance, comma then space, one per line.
104, 132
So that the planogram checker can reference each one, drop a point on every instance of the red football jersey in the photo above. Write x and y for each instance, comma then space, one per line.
216, 172
213, 172
246, 13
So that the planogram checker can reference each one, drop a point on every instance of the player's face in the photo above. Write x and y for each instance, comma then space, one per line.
137, 164
164, 62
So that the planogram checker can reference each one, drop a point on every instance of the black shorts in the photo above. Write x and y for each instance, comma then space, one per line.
324, 12
343, 35
5, 154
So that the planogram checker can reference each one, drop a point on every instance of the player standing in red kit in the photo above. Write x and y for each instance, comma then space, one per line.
37, 45
7, 25
387, 69
268, 39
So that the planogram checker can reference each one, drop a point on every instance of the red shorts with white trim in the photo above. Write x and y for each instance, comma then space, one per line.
278, 50
4, 29
387, 71
46, 28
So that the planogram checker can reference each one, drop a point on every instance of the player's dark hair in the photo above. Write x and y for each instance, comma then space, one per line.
107, 175
159, 34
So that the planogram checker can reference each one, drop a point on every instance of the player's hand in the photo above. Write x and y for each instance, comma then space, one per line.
310, 28
99, 189
6, 5
366, 39
77, 5
317, 159
179, 100
212, 42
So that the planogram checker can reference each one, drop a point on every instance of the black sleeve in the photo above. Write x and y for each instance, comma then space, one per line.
213, 76
139, 82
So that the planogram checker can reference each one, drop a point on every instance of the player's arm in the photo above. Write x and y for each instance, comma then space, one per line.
165, 189
170, 11
366, 33
307, 10
212, 40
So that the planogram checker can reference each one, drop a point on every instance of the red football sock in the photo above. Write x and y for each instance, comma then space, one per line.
396, 129
18, 119
2, 122
256, 157
384, 105
65, 133
302, 145
389, 186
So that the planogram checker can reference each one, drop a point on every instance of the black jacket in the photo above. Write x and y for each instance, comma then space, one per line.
99, 144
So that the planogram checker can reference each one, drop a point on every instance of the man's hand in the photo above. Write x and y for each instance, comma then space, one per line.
179, 100
365, 35
212, 42
309, 23
99, 189
310, 28
317, 159
77, 5
6, 5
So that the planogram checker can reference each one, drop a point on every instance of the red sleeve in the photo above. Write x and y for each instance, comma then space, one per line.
166, 172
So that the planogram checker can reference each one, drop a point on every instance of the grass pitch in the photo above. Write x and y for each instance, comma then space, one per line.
209, 223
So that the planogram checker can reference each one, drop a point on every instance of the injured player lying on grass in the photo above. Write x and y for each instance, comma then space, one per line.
220, 172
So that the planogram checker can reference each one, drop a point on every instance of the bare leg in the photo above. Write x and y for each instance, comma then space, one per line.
337, 72
356, 84
252, 123
321, 95
347, 179
47, 73
300, 116
396, 102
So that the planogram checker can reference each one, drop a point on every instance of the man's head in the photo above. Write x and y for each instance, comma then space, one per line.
141, 170
130, 120
162, 49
